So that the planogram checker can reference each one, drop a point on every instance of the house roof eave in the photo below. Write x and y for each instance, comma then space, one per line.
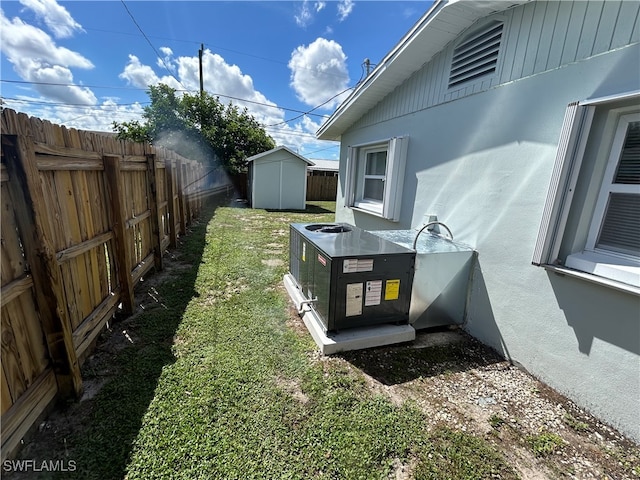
442, 23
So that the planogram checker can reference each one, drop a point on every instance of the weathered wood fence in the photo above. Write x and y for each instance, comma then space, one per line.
322, 187
84, 217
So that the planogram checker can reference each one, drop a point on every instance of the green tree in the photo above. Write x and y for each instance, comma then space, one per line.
200, 127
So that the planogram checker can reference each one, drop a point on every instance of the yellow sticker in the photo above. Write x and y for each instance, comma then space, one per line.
392, 290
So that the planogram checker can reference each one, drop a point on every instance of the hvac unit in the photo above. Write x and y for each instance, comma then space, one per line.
349, 277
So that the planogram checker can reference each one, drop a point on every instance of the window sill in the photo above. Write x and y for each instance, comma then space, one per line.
605, 270
369, 207
607, 266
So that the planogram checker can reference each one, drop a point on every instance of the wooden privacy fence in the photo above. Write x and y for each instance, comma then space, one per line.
322, 187
84, 217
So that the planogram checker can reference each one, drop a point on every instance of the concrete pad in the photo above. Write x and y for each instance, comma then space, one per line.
351, 339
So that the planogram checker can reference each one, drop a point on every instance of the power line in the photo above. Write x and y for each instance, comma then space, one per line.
151, 44
309, 111
185, 90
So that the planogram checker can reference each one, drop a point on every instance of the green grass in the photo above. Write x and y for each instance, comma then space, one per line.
544, 443
217, 385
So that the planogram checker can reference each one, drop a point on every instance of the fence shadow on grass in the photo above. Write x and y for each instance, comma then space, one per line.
427, 356
98, 434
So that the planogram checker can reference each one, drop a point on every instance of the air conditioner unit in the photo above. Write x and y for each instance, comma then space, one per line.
349, 277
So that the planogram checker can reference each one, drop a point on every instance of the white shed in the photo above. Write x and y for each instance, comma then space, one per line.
277, 179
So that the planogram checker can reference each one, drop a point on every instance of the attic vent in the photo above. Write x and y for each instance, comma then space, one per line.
477, 55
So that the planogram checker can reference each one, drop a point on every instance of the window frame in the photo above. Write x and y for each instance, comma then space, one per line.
602, 266
609, 186
393, 178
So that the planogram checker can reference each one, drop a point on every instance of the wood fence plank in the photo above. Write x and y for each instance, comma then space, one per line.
17, 421
182, 210
122, 254
12, 263
155, 220
13, 290
32, 337
92, 325
27, 353
171, 203
88, 233
10, 356
67, 163
5, 396
74, 278
32, 212
84, 247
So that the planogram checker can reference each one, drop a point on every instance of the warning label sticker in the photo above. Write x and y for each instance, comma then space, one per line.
354, 299
392, 290
373, 293
354, 265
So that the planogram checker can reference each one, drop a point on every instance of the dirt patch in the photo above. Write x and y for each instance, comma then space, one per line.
273, 262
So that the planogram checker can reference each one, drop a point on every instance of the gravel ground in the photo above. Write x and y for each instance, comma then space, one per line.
460, 383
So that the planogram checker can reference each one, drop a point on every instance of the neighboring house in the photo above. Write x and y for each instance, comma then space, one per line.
517, 124
323, 168
277, 179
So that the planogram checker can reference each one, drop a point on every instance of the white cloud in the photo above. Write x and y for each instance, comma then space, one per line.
345, 8
55, 17
304, 15
319, 72
137, 74
36, 58
21, 40
223, 80
231, 85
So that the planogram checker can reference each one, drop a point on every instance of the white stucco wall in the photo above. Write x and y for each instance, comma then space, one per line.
482, 164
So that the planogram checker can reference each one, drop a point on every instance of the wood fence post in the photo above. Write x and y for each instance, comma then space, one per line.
119, 227
188, 198
171, 192
152, 188
181, 200
31, 216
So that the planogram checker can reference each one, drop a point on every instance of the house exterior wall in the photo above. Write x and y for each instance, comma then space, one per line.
482, 163
279, 181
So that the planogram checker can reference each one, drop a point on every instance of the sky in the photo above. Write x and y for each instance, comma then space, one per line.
86, 64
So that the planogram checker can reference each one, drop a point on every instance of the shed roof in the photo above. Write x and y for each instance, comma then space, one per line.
441, 24
329, 165
274, 150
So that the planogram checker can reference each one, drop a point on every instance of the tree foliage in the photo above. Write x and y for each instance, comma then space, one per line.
199, 127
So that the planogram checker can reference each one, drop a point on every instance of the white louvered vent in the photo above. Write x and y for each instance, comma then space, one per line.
477, 55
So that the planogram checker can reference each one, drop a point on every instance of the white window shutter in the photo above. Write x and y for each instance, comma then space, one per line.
577, 120
396, 159
350, 173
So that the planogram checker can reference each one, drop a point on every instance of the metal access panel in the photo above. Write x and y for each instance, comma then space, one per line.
351, 277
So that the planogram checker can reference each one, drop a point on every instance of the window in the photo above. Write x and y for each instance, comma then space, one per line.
375, 174
477, 55
591, 222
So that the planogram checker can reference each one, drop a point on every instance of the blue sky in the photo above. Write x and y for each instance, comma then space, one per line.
85, 64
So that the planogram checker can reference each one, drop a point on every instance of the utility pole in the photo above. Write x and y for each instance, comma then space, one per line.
200, 52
